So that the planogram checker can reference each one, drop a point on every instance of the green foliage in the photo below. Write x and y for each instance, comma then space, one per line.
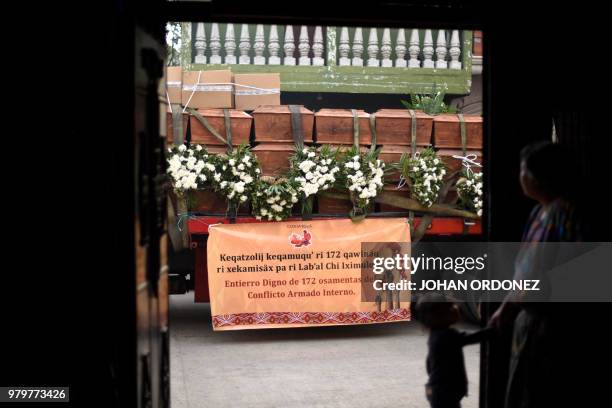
273, 199
431, 103
469, 188
173, 44
425, 174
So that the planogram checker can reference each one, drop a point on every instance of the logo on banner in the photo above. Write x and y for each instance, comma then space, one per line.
299, 241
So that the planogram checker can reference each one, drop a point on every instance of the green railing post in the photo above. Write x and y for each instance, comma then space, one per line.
466, 51
186, 46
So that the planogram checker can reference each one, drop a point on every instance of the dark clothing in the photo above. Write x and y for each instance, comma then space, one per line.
446, 367
559, 224
536, 363
440, 400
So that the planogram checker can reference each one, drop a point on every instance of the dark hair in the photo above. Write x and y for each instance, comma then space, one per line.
430, 306
550, 164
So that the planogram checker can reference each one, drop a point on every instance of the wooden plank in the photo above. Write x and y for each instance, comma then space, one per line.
356, 79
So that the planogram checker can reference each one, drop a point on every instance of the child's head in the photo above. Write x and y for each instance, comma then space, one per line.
435, 311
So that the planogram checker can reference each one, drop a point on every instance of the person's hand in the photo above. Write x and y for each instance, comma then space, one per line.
496, 318
502, 319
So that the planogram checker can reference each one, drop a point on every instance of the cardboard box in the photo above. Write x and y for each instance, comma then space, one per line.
253, 90
174, 81
207, 89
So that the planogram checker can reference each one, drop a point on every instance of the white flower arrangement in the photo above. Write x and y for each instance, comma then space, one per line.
425, 173
273, 199
314, 171
363, 175
236, 174
190, 168
469, 188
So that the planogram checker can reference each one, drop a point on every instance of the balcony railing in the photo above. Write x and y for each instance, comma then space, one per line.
335, 59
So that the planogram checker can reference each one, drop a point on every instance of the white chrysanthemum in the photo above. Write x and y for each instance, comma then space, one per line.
306, 165
239, 187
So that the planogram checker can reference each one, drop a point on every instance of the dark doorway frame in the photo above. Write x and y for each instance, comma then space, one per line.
421, 15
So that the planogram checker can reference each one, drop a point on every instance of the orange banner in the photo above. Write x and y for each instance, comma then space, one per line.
297, 273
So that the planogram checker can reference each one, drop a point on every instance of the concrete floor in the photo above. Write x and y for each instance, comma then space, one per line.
381, 365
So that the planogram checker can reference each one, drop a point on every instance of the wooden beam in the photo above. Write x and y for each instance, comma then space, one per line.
356, 79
